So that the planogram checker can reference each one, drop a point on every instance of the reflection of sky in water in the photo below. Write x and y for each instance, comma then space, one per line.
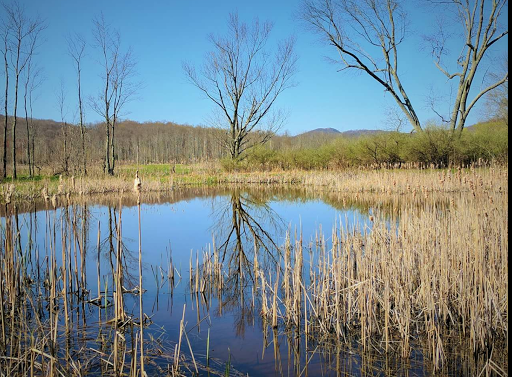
189, 225
312, 216
183, 227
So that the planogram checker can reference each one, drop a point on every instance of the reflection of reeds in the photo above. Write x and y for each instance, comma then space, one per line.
141, 291
429, 276
44, 302
356, 182
437, 270
426, 272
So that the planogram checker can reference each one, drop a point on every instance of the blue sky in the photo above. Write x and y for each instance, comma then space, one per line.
163, 34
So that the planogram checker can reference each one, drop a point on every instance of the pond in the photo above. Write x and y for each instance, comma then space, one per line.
226, 273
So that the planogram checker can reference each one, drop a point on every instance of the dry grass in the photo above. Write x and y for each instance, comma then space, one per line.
356, 181
438, 269
47, 326
429, 270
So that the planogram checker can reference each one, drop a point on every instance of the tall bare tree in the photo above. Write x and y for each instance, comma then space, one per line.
23, 35
61, 101
5, 53
244, 80
480, 23
33, 79
367, 34
118, 85
76, 49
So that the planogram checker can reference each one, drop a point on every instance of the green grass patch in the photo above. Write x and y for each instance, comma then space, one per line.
27, 178
151, 170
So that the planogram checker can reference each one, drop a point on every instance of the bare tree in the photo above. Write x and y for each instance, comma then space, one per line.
61, 101
5, 53
244, 81
480, 23
33, 79
76, 49
23, 34
367, 34
497, 100
118, 89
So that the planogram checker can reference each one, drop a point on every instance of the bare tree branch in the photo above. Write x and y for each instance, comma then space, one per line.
366, 35
118, 85
244, 81
76, 50
480, 23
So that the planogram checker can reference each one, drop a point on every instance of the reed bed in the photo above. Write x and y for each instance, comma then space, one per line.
431, 275
427, 274
391, 180
51, 322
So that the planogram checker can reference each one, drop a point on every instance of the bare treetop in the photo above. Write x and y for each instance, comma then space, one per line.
244, 80
118, 85
366, 35
23, 33
479, 22
76, 47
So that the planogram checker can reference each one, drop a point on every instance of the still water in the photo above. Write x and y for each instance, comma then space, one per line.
179, 232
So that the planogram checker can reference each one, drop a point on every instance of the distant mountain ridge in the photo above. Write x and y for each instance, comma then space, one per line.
322, 131
335, 132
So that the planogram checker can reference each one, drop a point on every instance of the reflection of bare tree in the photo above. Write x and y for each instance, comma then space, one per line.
245, 224
239, 225
113, 246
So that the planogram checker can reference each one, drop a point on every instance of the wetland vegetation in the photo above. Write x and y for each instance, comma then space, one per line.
397, 271
142, 248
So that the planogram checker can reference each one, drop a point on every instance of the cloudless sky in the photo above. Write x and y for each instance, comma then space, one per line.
163, 34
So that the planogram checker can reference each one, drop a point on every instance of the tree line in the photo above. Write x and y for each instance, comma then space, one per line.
243, 76
143, 143
171, 143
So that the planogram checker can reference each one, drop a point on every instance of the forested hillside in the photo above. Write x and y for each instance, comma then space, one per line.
57, 146
155, 142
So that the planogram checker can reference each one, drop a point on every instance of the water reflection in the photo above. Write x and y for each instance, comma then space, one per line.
113, 247
86, 281
245, 219
243, 225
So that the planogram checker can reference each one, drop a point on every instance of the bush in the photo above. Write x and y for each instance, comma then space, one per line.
260, 158
433, 146
436, 146
229, 165
485, 141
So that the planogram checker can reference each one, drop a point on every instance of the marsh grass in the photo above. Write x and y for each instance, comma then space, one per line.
46, 304
426, 275
423, 282
160, 178
435, 272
